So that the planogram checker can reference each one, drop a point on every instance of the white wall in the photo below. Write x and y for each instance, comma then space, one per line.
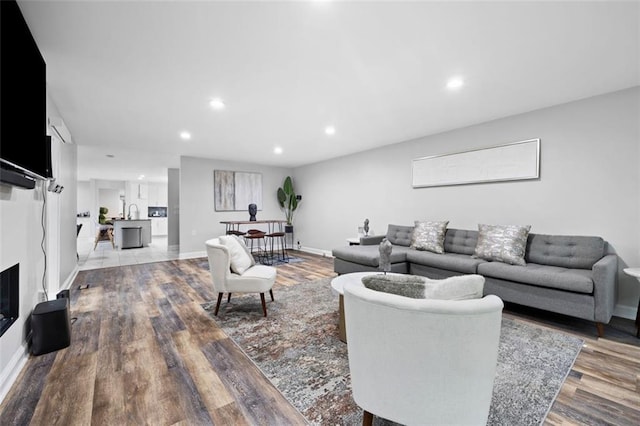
21, 218
198, 219
589, 182
173, 207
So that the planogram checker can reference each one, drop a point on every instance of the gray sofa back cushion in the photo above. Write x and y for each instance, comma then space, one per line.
566, 251
462, 241
400, 235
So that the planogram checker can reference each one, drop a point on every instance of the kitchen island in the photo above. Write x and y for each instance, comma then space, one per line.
119, 224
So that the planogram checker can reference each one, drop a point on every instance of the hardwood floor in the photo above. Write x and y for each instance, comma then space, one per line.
144, 351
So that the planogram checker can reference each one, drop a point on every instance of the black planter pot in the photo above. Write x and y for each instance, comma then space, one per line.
288, 229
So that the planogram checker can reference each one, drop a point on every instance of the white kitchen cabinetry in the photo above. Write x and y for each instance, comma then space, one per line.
159, 226
143, 191
158, 195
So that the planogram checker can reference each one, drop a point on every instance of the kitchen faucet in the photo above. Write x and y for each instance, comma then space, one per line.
129, 212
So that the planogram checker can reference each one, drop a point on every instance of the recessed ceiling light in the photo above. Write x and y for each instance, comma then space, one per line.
330, 130
217, 103
140, 177
185, 136
455, 83
277, 150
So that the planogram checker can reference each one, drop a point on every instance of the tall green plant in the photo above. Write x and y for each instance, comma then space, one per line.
288, 199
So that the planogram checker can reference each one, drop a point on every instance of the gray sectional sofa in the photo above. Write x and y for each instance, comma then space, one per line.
571, 275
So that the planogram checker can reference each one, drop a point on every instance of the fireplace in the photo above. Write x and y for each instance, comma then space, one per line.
9, 298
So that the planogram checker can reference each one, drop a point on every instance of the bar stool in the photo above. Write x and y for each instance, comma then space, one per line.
257, 236
278, 246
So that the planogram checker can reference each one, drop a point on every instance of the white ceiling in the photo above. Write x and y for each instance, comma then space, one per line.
127, 77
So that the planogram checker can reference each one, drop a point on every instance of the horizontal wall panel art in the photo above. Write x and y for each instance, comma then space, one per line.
234, 191
511, 161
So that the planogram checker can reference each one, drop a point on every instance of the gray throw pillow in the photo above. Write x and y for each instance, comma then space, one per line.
429, 236
402, 285
502, 243
459, 287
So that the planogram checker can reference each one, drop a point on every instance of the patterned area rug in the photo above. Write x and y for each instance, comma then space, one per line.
297, 348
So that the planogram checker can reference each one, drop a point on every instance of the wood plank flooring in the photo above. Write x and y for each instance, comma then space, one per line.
144, 351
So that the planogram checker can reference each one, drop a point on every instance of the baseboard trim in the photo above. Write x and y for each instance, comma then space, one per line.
324, 253
624, 311
12, 370
70, 279
192, 254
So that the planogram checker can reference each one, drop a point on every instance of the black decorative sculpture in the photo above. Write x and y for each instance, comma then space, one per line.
253, 209
385, 255
366, 227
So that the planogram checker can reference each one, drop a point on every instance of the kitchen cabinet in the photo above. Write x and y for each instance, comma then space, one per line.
157, 195
143, 191
145, 224
159, 226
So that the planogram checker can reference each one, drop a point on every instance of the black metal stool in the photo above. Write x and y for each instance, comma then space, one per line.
278, 246
260, 249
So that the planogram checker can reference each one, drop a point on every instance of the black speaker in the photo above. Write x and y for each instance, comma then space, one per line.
51, 326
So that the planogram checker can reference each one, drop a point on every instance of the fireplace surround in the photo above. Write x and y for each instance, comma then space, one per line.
9, 297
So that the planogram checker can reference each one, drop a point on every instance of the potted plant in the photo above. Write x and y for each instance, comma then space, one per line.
102, 218
288, 202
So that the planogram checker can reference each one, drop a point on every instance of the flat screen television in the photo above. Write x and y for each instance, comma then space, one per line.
24, 145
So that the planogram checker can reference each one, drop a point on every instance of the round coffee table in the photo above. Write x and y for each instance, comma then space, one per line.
337, 287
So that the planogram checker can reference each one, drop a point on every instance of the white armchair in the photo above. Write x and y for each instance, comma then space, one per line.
422, 361
255, 279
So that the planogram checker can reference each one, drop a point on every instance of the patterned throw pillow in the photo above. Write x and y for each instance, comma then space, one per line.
429, 236
502, 243
459, 287
402, 285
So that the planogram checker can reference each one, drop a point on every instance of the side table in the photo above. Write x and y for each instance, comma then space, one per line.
635, 272
354, 241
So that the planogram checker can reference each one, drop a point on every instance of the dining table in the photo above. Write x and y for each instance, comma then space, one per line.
233, 226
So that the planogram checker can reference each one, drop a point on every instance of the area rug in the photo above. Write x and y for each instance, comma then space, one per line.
297, 348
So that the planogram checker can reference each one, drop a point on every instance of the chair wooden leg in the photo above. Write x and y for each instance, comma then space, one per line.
110, 233
271, 293
367, 418
600, 328
95, 244
215, 313
264, 304
229, 298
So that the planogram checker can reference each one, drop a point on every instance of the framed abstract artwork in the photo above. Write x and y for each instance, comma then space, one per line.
234, 191
511, 161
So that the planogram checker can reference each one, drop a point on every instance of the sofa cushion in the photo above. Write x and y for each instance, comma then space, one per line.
576, 280
429, 236
369, 255
400, 235
450, 261
461, 241
502, 243
565, 251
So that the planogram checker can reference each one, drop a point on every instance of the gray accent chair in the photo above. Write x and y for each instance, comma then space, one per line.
570, 275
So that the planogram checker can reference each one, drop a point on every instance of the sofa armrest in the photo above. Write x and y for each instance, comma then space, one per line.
371, 240
605, 287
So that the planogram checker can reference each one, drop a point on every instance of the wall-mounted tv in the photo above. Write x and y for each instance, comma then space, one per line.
24, 146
